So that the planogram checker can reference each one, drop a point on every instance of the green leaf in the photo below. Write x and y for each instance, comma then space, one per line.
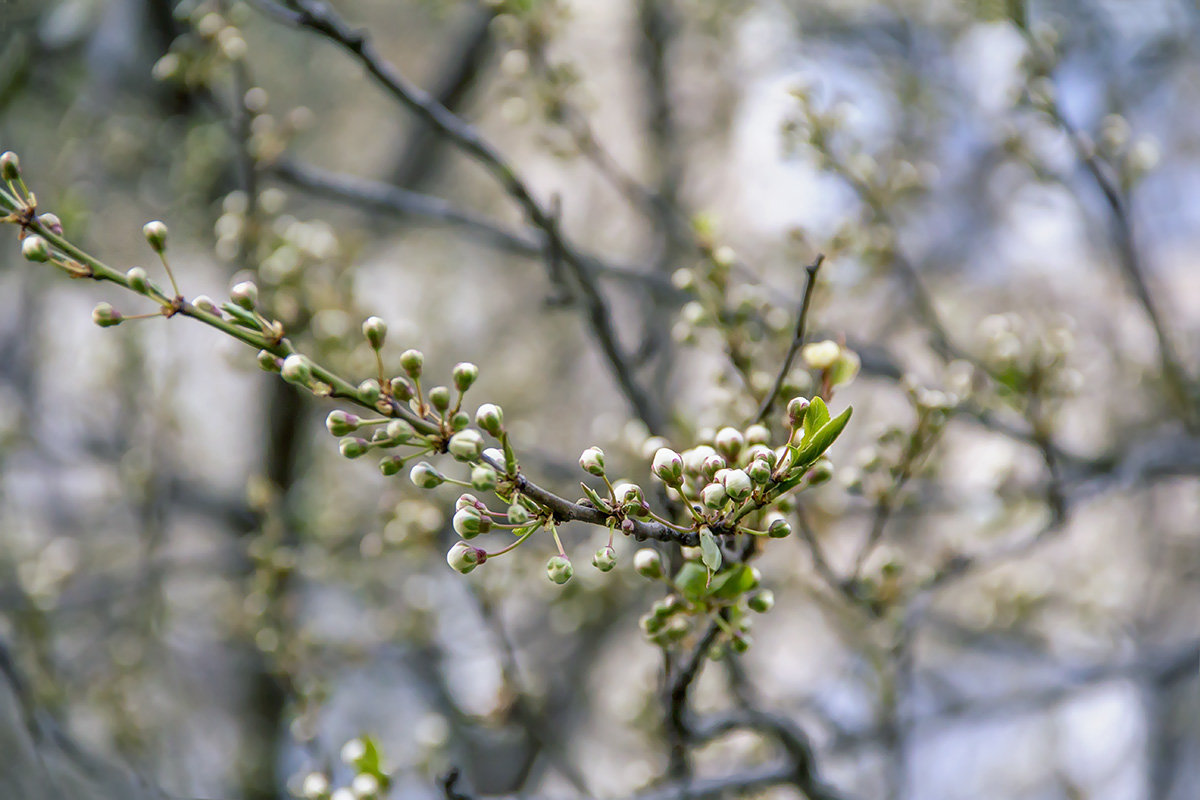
692, 580
732, 583
710, 553
814, 419
592, 495
819, 442
241, 316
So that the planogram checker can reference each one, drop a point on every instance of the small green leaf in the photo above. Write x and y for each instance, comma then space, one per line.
241, 316
592, 495
816, 418
692, 580
710, 553
819, 442
732, 583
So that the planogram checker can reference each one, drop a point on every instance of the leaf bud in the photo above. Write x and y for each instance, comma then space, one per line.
469, 523
518, 514
761, 601
341, 423
139, 281
297, 369
668, 467
402, 389
106, 316
464, 558
35, 248
10, 166
729, 442
648, 563
353, 447
592, 461
411, 362
439, 398
244, 294
465, 374
490, 417
466, 445
424, 476
483, 477
269, 362
559, 569
605, 558
375, 331
737, 484
156, 234
797, 409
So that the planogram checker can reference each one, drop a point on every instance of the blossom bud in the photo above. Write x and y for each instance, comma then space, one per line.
391, 465
821, 472
439, 398
464, 558
106, 316
648, 563
139, 281
761, 601
518, 514
845, 368
759, 471
797, 408
460, 421
364, 784
466, 445
465, 374
156, 234
206, 304
411, 362
369, 391
605, 558
399, 431
402, 389
315, 786
821, 355
424, 476
714, 496
269, 362
693, 460
757, 434
737, 484
35, 248
729, 442
483, 477
297, 369
559, 569
668, 467
779, 528
341, 422
592, 461
469, 523
375, 331
629, 497
244, 294
490, 417
711, 465
353, 447
10, 166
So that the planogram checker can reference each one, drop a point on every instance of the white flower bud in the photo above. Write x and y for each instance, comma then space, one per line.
714, 496
466, 445
465, 374
729, 442
244, 294
463, 558
559, 569
424, 476
668, 466
341, 422
156, 234
820, 355
592, 461
737, 484
375, 331
297, 369
106, 316
35, 248
648, 563
490, 417
139, 281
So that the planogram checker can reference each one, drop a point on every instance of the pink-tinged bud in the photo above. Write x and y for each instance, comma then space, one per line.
490, 417
353, 447
402, 389
106, 316
206, 304
35, 248
668, 467
10, 166
592, 461
411, 361
391, 465
399, 431
341, 423
714, 496
375, 331
269, 362
729, 442
759, 471
469, 523
424, 476
369, 391
605, 559
297, 369
797, 408
465, 374
559, 569
156, 234
693, 460
464, 558
648, 563
51, 222
244, 294
711, 465
737, 484
629, 497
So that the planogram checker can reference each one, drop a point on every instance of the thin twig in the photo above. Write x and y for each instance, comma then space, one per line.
797, 338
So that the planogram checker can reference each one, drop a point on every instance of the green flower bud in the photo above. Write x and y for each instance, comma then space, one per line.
605, 558
353, 447
737, 484
666, 607
399, 431
466, 445
460, 421
156, 234
106, 316
411, 362
10, 166
206, 304
244, 294
711, 465
35, 248
269, 362
714, 496
648, 563
391, 465
139, 281
297, 369
341, 422
465, 374
729, 442
592, 461
369, 391
483, 477
464, 558
761, 601
820, 472
469, 523
559, 569
693, 460
375, 331
518, 514
668, 467
797, 408
757, 434
821, 355
424, 476
651, 624
439, 398
778, 527
759, 472
490, 417
402, 389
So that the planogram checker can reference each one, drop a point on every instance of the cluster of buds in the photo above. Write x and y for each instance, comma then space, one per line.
370, 782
